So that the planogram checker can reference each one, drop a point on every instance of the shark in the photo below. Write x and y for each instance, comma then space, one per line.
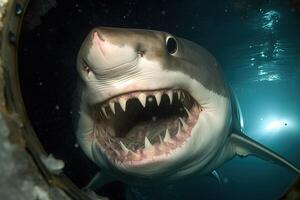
156, 108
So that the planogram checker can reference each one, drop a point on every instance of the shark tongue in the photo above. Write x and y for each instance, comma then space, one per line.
153, 130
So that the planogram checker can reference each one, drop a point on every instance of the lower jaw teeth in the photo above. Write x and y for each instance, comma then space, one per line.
161, 137
124, 148
147, 143
128, 146
167, 136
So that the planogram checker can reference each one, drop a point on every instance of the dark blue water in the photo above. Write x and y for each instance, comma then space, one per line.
257, 44
261, 59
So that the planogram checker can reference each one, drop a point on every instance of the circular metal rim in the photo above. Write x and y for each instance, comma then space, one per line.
11, 101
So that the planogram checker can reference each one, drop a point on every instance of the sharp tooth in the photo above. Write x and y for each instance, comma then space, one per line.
170, 94
158, 98
112, 107
147, 143
124, 148
123, 104
178, 94
118, 153
179, 129
104, 111
183, 95
160, 139
142, 98
184, 125
167, 136
188, 112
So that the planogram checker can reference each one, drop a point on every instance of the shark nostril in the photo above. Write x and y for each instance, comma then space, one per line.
141, 52
97, 35
86, 67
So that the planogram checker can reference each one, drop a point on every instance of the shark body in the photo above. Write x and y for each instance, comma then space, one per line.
156, 108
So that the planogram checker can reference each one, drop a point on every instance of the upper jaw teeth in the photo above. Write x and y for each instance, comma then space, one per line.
143, 98
104, 112
170, 95
112, 107
158, 98
122, 103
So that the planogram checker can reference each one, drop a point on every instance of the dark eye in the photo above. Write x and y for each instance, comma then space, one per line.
171, 44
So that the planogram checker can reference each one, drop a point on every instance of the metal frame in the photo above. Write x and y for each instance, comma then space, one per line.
11, 102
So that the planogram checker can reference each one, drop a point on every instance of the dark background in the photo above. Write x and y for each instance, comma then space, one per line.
257, 43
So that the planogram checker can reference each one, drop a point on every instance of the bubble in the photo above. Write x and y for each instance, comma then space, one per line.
150, 99
226, 180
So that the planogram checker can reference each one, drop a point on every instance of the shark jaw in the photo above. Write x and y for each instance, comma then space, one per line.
144, 127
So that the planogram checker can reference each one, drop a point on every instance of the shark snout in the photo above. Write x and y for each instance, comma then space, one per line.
106, 54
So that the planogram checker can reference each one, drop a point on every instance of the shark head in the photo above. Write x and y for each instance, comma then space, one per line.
153, 104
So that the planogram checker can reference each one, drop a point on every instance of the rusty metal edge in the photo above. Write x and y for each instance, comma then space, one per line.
11, 102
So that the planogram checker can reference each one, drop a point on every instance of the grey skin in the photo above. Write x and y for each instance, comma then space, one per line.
116, 61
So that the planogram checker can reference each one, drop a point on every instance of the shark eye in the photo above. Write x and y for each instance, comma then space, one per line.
171, 45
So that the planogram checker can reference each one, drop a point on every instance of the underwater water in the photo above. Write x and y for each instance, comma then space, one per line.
256, 42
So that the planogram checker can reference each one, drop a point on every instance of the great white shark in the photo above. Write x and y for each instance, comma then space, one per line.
155, 108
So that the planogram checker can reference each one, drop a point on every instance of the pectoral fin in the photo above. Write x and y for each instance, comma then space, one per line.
244, 146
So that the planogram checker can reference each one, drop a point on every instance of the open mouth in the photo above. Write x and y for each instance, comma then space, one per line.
145, 126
